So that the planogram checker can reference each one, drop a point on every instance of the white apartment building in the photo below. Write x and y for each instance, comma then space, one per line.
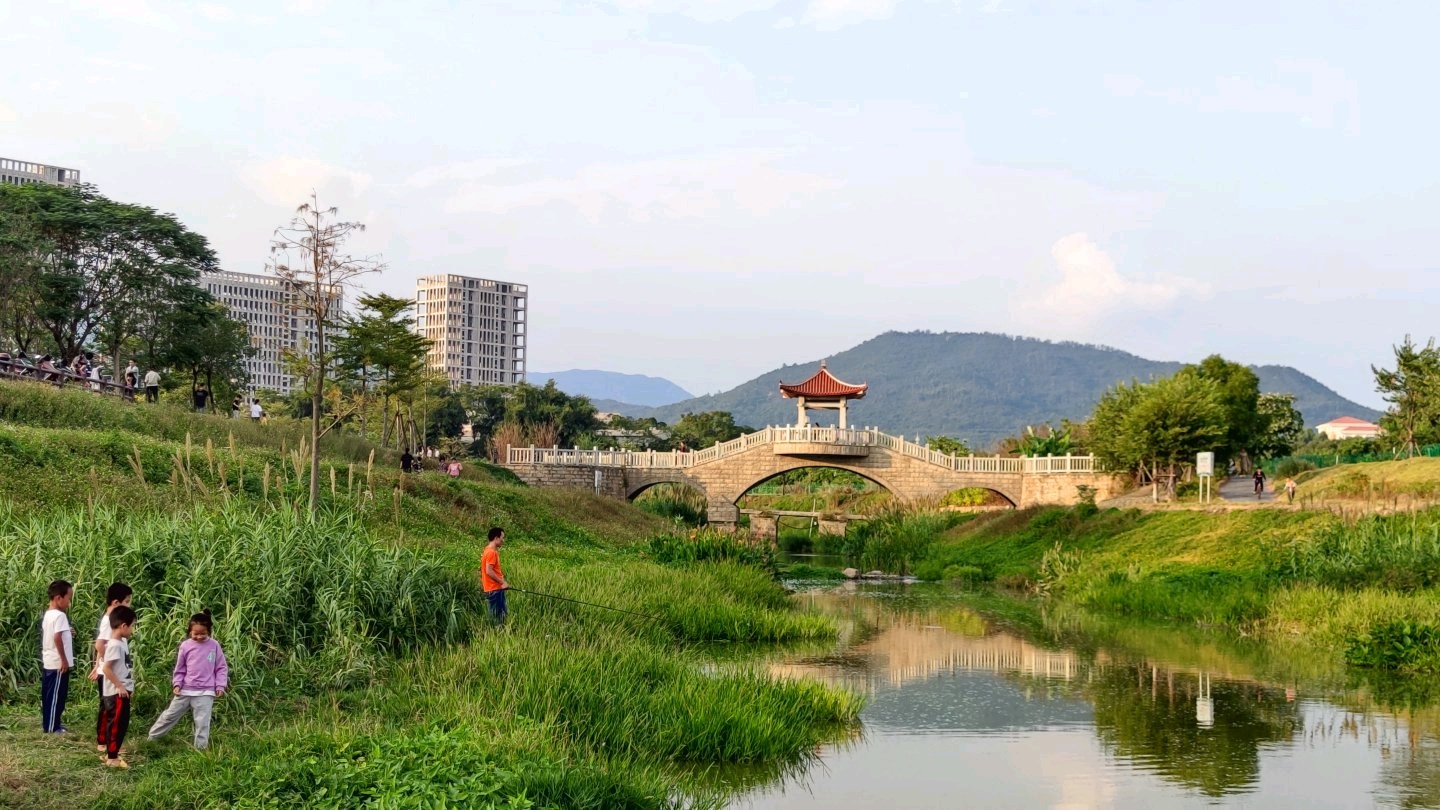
264, 305
476, 325
23, 172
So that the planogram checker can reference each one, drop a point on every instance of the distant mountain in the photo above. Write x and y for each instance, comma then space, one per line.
632, 389
980, 387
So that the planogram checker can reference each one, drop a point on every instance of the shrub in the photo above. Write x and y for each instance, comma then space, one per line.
1291, 467
1400, 645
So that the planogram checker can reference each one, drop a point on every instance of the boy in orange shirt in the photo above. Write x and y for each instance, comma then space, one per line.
492, 579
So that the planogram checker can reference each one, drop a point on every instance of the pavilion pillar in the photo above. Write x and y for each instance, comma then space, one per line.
801, 418
842, 414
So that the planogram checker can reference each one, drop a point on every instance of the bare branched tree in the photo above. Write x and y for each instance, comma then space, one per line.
309, 255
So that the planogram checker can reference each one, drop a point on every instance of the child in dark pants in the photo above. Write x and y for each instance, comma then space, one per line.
117, 594
119, 683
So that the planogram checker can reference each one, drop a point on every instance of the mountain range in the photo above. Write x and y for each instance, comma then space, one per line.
633, 389
980, 387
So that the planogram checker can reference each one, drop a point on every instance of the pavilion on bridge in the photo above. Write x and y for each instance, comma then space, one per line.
822, 392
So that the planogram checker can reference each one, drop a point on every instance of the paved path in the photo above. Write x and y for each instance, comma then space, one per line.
1241, 488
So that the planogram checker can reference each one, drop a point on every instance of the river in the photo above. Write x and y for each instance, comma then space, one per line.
979, 700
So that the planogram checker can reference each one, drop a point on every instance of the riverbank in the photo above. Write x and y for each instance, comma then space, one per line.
1361, 588
363, 668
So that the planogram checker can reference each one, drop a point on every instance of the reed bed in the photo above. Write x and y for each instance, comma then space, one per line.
325, 598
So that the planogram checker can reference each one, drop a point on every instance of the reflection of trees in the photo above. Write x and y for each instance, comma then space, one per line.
1411, 777
1152, 720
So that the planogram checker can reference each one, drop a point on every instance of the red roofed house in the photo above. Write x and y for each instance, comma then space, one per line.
822, 392
1348, 427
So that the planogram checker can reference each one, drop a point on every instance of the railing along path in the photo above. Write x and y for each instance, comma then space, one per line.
853, 437
60, 378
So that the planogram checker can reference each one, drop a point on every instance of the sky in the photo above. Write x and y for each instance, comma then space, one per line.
706, 189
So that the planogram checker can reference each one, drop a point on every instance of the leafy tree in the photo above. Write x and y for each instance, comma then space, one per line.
1413, 390
209, 345
1159, 425
1284, 427
381, 352
90, 268
527, 407
1047, 441
310, 258
1239, 392
701, 430
949, 445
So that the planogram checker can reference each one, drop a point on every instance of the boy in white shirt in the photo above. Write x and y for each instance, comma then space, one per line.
119, 683
57, 654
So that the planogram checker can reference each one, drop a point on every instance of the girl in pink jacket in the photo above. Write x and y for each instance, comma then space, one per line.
200, 676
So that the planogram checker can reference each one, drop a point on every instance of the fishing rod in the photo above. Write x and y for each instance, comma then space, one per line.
588, 604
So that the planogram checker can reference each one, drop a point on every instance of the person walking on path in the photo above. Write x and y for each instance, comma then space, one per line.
492, 579
119, 683
453, 468
407, 462
235, 407
201, 676
256, 411
57, 655
1290, 489
152, 385
116, 595
132, 379
1259, 483
200, 396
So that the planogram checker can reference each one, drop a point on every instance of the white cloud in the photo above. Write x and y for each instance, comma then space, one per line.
828, 15
748, 183
708, 11
133, 11
288, 181
1091, 288
1316, 94
7, 114
215, 12
471, 170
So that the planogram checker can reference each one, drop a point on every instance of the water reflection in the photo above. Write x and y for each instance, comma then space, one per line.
966, 712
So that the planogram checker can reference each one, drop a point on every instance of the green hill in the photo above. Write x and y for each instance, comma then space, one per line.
981, 387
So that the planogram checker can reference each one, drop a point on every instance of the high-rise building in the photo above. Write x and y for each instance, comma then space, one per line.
22, 172
265, 304
476, 325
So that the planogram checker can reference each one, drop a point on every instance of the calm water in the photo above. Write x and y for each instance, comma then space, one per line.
982, 702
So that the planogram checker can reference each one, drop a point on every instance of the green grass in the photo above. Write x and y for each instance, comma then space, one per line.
365, 672
1311, 575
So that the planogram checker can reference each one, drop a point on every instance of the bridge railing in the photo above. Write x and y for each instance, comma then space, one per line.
855, 437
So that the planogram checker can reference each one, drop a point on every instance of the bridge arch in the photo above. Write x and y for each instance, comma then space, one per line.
804, 464
635, 488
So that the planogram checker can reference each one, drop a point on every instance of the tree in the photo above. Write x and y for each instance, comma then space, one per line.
1157, 426
1239, 392
1283, 426
701, 430
949, 445
315, 279
91, 268
1413, 391
380, 350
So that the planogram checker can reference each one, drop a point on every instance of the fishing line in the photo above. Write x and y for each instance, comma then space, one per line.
588, 604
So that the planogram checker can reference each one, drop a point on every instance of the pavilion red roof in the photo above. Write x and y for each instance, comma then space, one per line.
823, 386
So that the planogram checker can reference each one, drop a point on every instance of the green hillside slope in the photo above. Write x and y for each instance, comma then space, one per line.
981, 387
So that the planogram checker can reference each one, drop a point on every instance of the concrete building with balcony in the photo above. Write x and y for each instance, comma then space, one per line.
24, 172
266, 305
476, 327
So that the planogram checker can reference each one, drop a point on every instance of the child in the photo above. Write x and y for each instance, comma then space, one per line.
117, 594
201, 675
56, 655
119, 683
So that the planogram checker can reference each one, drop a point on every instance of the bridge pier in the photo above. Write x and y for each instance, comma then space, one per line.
832, 527
766, 527
723, 515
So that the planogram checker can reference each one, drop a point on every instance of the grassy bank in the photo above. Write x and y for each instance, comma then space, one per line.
364, 673
1366, 588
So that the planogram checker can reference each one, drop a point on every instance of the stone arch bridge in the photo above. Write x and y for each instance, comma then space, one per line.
727, 471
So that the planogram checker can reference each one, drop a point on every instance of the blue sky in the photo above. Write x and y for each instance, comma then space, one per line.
704, 190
